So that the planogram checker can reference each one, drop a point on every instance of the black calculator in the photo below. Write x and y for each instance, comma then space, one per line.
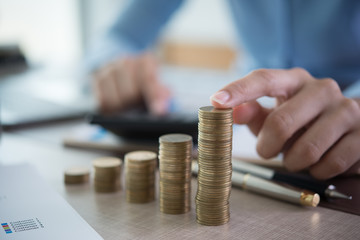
142, 125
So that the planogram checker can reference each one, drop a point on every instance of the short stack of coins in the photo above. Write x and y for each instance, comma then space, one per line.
140, 169
215, 168
107, 174
76, 175
175, 154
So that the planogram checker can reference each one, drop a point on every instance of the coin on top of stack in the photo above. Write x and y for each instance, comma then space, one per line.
215, 168
140, 167
76, 175
107, 174
175, 154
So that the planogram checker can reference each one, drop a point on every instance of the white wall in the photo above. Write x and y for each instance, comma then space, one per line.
47, 30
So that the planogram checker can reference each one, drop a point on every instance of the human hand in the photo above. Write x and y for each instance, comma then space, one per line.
127, 82
313, 124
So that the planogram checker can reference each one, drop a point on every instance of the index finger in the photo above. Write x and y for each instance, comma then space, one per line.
259, 83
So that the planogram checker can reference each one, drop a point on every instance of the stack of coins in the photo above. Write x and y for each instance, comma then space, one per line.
175, 173
107, 174
76, 175
215, 169
140, 169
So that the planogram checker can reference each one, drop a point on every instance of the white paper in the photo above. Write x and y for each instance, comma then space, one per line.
30, 209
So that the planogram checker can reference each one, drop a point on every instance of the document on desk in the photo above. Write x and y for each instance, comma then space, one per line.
30, 209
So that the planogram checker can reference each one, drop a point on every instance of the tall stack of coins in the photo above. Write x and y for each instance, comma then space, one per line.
214, 175
140, 169
175, 173
107, 174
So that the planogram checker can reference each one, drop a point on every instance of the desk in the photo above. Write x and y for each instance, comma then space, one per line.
252, 216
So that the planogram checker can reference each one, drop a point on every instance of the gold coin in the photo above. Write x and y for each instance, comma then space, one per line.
140, 156
107, 174
175, 153
211, 109
215, 168
140, 169
175, 138
76, 175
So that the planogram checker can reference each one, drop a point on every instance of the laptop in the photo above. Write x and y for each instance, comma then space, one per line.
42, 95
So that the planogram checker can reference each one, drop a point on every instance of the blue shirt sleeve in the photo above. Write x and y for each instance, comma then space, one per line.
353, 91
321, 36
132, 32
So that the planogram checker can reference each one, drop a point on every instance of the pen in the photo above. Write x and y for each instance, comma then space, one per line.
325, 190
271, 189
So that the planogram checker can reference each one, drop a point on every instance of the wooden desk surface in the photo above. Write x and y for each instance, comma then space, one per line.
252, 216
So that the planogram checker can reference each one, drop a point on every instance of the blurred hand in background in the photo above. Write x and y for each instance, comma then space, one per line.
131, 81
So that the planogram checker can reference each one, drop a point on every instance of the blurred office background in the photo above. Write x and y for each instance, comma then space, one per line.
59, 31
54, 35
200, 38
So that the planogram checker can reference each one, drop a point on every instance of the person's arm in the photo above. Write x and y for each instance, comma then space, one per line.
124, 75
134, 30
314, 124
